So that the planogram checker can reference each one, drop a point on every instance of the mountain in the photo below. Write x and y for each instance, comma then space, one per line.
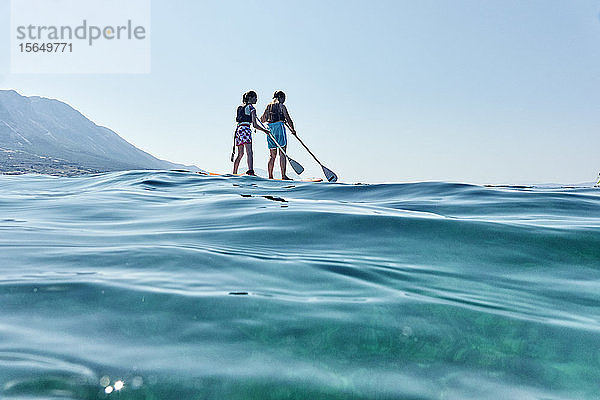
48, 136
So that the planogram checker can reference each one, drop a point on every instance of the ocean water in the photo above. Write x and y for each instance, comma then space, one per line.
167, 285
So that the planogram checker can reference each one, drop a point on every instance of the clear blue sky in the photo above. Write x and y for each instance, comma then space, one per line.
468, 90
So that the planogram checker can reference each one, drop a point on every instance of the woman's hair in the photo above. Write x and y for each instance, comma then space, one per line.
279, 95
249, 95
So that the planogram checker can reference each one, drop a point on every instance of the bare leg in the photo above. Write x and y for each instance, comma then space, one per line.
272, 155
283, 163
249, 156
236, 162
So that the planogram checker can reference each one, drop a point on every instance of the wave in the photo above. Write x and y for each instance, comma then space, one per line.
241, 287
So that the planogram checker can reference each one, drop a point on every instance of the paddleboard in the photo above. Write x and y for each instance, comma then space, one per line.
293, 180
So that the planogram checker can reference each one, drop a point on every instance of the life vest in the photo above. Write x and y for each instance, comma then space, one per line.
275, 112
242, 113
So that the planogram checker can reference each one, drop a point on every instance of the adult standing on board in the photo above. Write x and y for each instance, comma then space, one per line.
276, 115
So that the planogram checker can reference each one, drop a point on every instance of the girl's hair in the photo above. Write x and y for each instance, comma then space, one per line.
279, 95
249, 95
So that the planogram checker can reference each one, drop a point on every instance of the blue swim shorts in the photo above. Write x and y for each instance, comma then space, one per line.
278, 131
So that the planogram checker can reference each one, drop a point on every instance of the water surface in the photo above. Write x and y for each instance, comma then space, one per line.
180, 286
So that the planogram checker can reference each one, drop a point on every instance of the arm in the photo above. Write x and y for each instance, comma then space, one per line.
255, 122
288, 120
263, 118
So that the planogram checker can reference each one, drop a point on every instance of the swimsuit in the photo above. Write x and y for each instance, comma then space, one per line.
243, 134
278, 132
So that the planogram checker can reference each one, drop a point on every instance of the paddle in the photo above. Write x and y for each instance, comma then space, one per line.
296, 165
329, 174
233, 149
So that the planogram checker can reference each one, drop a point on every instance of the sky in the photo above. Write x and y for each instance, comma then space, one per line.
498, 91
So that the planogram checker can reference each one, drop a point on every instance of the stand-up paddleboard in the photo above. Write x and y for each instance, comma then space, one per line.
283, 180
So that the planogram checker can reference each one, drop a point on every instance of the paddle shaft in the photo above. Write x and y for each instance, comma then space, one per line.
233, 148
273, 138
307, 149
329, 174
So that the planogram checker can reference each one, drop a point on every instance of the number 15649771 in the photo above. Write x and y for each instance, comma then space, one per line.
53, 47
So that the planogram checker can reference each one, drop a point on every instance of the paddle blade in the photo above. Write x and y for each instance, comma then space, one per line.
329, 174
297, 167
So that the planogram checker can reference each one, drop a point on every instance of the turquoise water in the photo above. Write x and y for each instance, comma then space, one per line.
165, 285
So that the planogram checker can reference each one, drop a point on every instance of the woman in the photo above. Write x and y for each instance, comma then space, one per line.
276, 115
246, 116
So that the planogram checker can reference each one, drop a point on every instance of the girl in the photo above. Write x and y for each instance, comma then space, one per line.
277, 116
246, 116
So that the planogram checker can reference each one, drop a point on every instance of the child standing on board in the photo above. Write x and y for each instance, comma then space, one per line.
246, 116
276, 115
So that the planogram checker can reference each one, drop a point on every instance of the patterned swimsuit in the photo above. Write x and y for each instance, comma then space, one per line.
243, 134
